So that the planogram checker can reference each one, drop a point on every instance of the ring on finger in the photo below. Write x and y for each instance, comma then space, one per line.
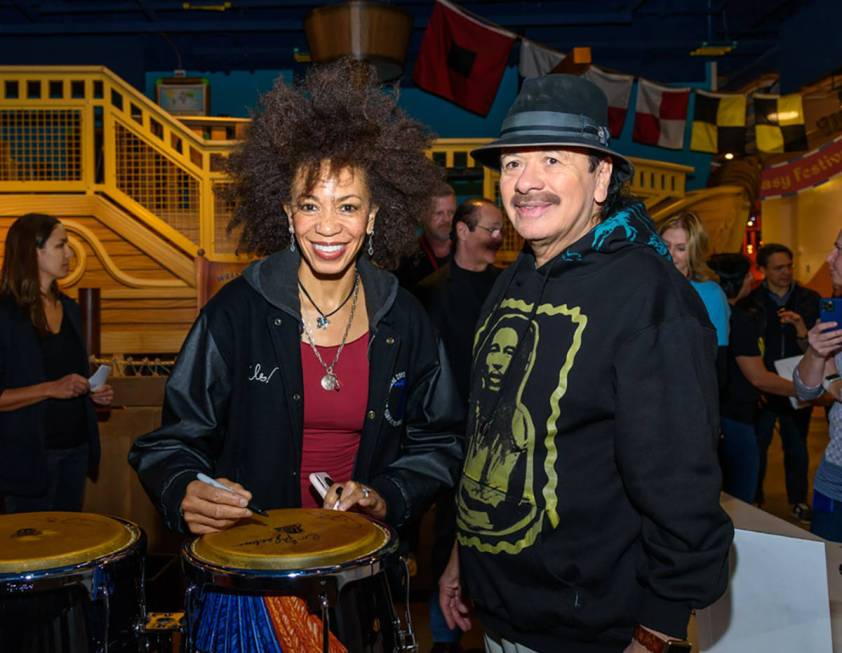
366, 492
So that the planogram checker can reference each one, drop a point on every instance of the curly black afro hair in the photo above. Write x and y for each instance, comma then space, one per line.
337, 113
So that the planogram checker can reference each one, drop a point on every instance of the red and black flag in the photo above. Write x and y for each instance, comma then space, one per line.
462, 59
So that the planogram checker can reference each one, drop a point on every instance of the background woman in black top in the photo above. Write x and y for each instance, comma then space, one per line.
48, 429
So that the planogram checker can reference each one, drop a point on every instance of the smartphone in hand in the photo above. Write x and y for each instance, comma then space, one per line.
322, 482
830, 310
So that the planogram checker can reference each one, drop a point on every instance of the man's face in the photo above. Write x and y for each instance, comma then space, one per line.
550, 195
778, 270
437, 223
480, 245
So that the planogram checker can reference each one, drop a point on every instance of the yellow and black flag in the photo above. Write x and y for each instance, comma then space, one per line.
719, 123
779, 123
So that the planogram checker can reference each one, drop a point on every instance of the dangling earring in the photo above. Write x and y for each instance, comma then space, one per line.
291, 238
371, 244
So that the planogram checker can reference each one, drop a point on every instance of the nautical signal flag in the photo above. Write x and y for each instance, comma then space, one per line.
779, 123
536, 60
617, 89
719, 123
661, 115
462, 59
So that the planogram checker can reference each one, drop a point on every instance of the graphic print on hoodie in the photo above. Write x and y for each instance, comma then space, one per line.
523, 357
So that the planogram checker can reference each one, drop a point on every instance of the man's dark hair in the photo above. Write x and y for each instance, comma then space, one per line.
768, 251
732, 269
467, 212
618, 196
338, 114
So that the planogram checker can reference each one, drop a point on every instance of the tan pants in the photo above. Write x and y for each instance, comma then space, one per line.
494, 645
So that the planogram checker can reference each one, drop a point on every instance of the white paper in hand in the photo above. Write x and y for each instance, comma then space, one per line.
100, 376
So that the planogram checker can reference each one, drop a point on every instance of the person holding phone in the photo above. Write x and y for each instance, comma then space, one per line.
818, 372
49, 439
314, 360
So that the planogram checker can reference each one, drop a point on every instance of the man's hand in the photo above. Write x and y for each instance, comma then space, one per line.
207, 509
452, 606
793, 318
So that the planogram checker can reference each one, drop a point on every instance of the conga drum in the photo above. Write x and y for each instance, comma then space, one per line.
70, 582
305, 580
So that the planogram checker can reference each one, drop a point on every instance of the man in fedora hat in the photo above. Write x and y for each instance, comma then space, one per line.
588, 511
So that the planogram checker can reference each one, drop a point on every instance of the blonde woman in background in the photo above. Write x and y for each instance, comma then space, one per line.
687, 241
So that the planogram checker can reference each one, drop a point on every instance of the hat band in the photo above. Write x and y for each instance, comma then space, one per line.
554, 124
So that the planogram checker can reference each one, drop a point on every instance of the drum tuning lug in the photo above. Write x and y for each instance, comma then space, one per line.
406, 641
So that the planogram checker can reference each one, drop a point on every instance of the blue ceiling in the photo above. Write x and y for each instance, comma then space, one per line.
652, 38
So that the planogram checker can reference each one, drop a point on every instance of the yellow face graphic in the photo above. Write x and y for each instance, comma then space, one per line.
499, 357
508, 490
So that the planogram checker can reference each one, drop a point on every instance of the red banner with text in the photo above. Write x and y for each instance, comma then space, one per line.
812, 169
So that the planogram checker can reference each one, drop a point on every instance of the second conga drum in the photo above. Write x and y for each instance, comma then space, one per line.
70, 582
298, 580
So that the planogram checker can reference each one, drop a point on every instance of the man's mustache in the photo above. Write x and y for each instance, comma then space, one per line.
538, 197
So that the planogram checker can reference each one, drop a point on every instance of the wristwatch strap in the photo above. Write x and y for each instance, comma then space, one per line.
651, 642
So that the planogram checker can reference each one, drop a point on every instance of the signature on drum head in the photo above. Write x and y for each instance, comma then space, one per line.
283, 535
26, 532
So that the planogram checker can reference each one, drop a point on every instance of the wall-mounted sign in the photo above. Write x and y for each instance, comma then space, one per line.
183, 96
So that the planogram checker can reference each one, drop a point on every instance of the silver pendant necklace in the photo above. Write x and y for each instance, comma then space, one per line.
322, 321
330, 381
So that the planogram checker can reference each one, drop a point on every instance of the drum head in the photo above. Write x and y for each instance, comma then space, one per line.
293, 539
34, 541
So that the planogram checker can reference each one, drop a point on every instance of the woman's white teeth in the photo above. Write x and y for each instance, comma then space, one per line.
328, 249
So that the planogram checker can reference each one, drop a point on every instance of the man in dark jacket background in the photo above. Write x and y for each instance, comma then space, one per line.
588, 514
453, 296
789, 311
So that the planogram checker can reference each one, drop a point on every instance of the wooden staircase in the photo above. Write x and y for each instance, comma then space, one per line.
138, 190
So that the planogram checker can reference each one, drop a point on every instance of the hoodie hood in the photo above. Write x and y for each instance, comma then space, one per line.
276, 279
631, 226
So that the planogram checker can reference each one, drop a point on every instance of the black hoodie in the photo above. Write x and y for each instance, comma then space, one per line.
589, 500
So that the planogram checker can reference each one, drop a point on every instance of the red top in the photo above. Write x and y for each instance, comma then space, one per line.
333, 420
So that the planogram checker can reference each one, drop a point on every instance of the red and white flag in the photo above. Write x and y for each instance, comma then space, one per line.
617, 89
462, 59
661, 115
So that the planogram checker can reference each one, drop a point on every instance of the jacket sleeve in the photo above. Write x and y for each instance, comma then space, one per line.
191, 432
667, 427
433, 445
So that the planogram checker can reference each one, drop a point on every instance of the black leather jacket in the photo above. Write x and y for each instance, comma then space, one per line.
219, 419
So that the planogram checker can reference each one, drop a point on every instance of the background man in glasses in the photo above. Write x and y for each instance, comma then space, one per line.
453, 296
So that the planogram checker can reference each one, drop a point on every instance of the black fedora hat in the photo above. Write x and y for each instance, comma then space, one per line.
556, 111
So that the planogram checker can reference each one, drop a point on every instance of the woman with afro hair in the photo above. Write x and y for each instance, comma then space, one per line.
314, 360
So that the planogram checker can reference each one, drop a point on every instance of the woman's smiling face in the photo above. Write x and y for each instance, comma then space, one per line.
331, 220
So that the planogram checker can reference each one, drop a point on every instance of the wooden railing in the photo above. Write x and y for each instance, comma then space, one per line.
139, 189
